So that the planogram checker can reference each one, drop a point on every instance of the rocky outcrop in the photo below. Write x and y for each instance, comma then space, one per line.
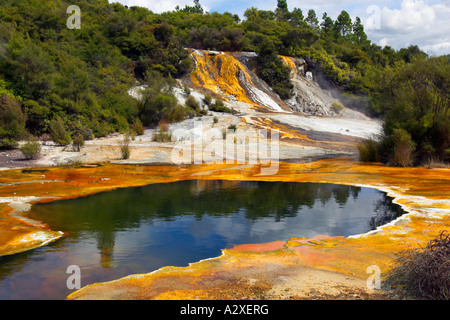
233, 77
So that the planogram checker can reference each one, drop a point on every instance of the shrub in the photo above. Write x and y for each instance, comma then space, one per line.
125, 147
215, 120
368, 151
273, 70
159, 102
8, 143
161, 136
337, 107
187, 90
404, 148
424, 273
232, 127
31, 149
58, 132
163, 126
219, 106
207, 100
78, 143
138, 127
12, 122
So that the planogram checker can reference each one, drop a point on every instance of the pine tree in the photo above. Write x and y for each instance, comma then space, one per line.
358, 31
311, 19
296, 17
327, 24
282, 11
343, 24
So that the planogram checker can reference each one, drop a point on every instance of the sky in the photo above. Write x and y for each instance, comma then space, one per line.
396, 23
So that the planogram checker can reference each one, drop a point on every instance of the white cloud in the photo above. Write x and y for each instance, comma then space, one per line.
413, 16
416, 22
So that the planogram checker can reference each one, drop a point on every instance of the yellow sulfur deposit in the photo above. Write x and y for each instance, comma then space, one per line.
254, 269
220, 73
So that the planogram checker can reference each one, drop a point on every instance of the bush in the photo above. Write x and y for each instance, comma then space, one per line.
162, 136
219, 106
58, 132
12, 122
195, 106
424, 273
138, 127
368, 151
404, 148
163, 126
159, 103
8, 143
125, 147
337, 107
414, 99
207, 100
273, 70
78, 143
31, 149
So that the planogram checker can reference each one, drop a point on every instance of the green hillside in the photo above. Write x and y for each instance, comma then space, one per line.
54, 79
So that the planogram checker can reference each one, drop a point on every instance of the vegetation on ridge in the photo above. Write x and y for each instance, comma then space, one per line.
80, 78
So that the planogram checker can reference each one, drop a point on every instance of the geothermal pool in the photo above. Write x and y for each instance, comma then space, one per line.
138, 230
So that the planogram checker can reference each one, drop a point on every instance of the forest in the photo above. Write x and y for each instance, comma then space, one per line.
73, 84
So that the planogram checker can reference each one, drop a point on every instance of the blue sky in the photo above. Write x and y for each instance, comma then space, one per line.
397, 23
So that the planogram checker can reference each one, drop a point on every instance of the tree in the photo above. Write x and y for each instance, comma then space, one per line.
197, 8
159, 103
12, 121
273, 70
296, 17
414, 97
58, 131
327, 24
343, 25
311, 19
282, 11
409, 53
358, 31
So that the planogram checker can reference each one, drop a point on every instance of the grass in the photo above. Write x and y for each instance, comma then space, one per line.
368, 151
434, 163
125, 147
161, 136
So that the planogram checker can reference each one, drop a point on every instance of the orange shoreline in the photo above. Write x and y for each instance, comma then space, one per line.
255, 268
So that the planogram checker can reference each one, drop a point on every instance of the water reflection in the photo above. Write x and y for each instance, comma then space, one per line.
137, 230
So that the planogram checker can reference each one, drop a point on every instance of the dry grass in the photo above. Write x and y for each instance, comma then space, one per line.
403, 154
434, 163
424, 273
368, 151
125, 147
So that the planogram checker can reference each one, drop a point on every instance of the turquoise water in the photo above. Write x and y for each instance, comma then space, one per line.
138, 230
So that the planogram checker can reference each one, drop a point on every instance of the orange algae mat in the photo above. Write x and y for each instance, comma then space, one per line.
246, 271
